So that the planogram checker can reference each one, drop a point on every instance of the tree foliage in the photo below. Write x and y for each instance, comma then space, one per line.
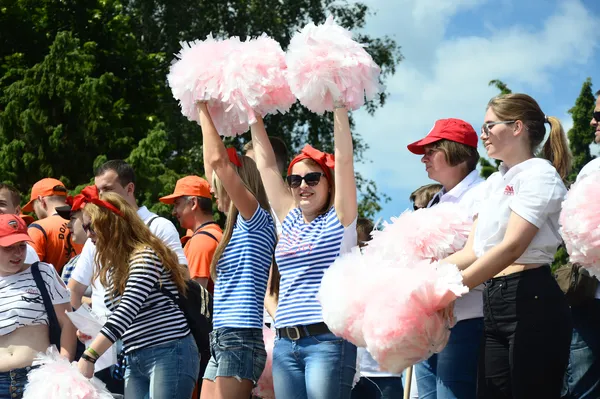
581, 135
82, 82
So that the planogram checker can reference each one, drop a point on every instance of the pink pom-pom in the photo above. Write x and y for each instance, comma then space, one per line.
56, 378
235, 78
580, 223
325, 65
403, 323
431, 233
344, 294
264, 387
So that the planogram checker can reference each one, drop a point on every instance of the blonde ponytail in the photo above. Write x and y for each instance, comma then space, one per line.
556, 149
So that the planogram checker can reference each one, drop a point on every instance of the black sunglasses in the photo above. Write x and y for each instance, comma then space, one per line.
311, 179
597, 116
88, 228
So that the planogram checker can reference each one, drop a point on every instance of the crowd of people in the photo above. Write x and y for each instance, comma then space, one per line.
516, 335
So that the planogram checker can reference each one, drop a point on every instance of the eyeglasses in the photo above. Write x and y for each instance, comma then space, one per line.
486, 127
597, 116
311, 179
88, 228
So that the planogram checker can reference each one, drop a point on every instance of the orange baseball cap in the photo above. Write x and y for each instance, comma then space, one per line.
13, 229
45, 188
190, 185
28, 219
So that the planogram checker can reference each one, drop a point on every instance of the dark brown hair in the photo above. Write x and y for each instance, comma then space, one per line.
15, 195
424, 194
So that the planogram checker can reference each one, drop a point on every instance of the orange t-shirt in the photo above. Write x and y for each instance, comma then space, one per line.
54, 244
199, 251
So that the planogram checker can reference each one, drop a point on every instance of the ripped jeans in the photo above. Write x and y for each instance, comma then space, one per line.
236, 352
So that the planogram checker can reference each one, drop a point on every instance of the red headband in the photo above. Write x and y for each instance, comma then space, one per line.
90, 195
325, 161
233, 157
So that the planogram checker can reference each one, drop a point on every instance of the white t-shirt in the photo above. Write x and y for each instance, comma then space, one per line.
534, 191
589, 168
21, 301
84, 270
31, 256
466, 195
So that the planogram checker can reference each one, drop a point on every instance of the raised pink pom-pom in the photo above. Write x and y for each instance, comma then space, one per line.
56, 378
325, 65
264, 387
580, 223
236, 79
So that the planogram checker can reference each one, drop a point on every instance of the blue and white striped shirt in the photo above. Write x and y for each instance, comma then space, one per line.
243, 272
304, 252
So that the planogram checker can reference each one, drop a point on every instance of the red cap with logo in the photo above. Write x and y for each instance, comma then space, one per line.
13, 229
451, 129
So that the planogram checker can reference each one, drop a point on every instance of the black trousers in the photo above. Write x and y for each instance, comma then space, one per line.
527, 335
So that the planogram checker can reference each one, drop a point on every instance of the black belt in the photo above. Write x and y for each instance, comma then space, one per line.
297, 332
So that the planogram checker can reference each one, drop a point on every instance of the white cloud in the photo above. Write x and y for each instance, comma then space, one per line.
445, 77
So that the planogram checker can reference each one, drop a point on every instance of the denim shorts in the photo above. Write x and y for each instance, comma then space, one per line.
12, 383
236, 352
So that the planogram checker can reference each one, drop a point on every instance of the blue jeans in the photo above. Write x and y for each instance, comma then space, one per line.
582, 379
12, 383
378, 388
452, 373
163, 371
236, 352
313, 367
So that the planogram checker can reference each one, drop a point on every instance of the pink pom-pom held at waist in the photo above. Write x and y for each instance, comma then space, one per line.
56, 378
580, 223
325, 65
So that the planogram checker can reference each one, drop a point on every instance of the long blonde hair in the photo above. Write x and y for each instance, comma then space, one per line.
250, 176
119, 238
518, 106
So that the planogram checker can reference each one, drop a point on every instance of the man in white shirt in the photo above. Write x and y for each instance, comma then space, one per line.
582, 380
10, 200
116, 176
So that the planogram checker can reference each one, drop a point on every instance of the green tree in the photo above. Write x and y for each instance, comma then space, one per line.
581, 135
86, 82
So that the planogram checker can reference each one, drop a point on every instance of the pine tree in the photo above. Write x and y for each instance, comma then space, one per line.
581, 135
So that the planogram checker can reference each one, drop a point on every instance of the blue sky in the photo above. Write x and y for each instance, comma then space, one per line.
452, 49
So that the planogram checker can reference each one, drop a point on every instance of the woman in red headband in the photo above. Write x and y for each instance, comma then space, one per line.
318, 207
240, 269
138, 269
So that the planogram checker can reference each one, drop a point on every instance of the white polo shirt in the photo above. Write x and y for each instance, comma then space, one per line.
84, 270
466, 194
534, 191
589, 168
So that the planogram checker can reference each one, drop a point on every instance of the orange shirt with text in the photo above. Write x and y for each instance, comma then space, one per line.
55, 246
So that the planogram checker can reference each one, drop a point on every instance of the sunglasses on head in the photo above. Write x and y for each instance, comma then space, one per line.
311, 179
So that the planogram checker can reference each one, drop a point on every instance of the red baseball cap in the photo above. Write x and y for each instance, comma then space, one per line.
13, 229
451, 129
190, 185
45, 188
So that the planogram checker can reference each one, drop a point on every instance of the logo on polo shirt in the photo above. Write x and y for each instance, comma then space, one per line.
509, 190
